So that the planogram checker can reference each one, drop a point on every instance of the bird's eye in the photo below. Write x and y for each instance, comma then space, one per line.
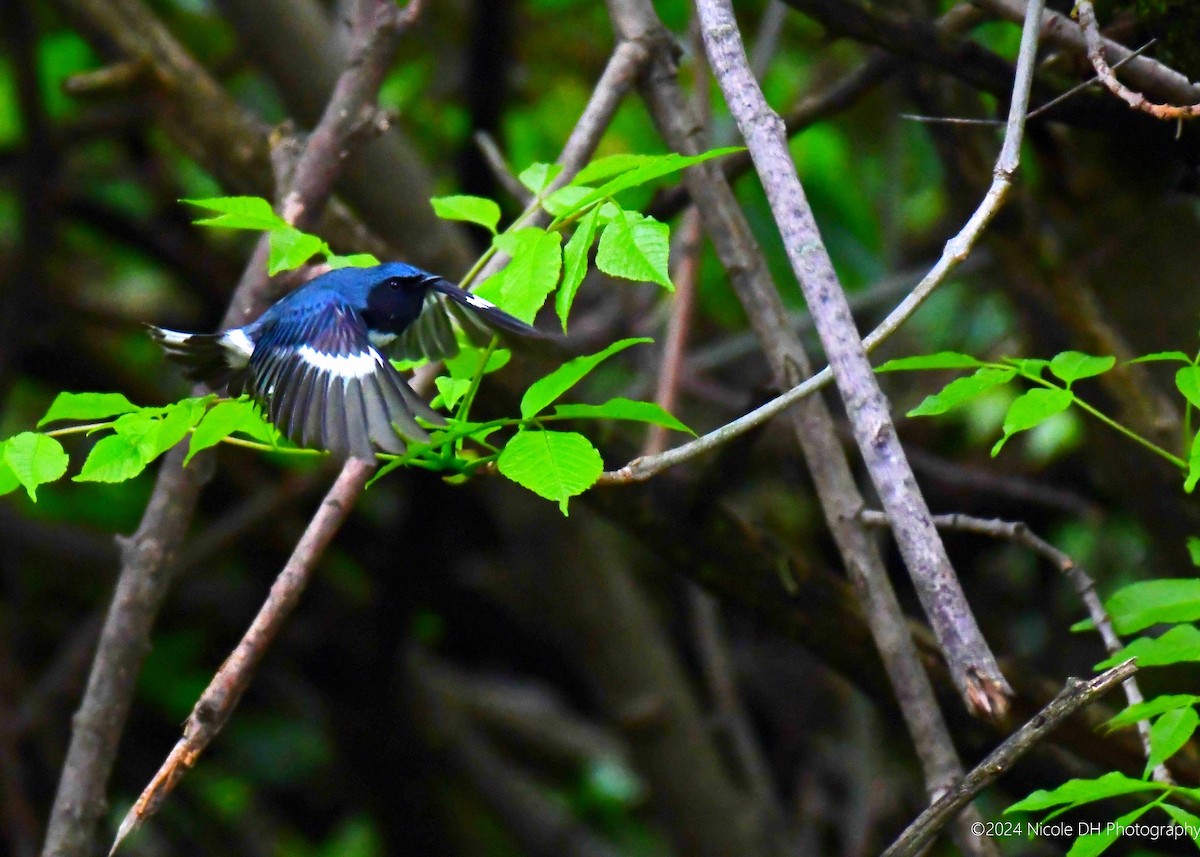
393, 284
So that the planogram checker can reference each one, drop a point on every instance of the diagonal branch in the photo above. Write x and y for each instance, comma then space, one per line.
1073, 697
1135, 99
971, 662
218, 700
147, 557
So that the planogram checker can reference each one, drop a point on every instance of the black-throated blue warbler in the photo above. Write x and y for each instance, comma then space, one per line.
317, 360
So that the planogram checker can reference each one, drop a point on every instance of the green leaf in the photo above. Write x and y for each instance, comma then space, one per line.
1193, 474
225, 418
1070, 366
637, 248
1184, 819
962, 390
941, 360
8, 480
1030, 366
1140, 605
575, 264
537, 177
566, 200
290, 248
1193, 546
1032, 408
545, 390
1081, 791
473, 209
354, 260
86, 406
239, 212
1091, 844
611, 165
1168, 734
34, 460
1180, 644
1187, 380
624, 409
1160, 356
465, 364
1150, 708
655, 167
113, 459
153, 434
520, 288
450, 390
556, 465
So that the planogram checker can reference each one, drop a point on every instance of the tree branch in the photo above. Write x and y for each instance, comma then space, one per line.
218, 700
1074, 696
971, 662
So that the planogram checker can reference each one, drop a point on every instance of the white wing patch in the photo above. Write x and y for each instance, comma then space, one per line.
478, 302
343, 365
172, 337
239, 346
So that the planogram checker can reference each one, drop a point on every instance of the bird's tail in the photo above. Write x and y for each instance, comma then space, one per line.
215, 359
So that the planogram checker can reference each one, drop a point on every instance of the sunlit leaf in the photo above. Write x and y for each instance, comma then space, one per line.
537, 177
636, 247
225, 418
552, 464
545, 390
1071, 366
1169, 733
941, 360
1187, 381
87, 406
1180, 644
624, 409
112, 459
239, 212
575, 264
34, 459
1081, 791
962, 390
472, 209
1032, 408
521, 287
1150, 708
290, 248
1149, 602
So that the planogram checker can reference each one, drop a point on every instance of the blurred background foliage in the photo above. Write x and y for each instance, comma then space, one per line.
344, 745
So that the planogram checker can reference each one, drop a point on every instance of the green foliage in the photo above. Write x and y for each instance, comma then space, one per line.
544, 391
1173, 718
554, 464
472, 209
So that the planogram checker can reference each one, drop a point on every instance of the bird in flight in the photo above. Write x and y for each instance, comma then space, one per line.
317, 363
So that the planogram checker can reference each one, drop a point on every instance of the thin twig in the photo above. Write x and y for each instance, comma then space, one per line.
1074, 696
501, 169
1019, 533
957, 249
1135, 99
218, 700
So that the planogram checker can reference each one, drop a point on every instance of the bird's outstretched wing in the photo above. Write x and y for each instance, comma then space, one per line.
322, 383
432, 336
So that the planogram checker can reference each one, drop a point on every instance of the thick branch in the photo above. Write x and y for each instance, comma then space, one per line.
972, 663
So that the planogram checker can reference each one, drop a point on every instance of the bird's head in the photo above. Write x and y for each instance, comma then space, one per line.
395, 292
